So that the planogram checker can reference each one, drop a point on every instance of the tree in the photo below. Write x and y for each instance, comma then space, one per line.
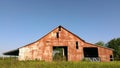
100, 43
115, 44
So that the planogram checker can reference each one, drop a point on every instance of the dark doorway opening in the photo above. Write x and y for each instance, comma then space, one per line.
111, 58
60, 53
12, 52
90, 52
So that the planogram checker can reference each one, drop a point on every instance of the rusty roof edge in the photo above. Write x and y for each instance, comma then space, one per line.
50, 32
100, 46
40, 38
73, 34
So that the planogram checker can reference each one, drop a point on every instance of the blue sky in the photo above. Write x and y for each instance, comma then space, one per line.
25, 21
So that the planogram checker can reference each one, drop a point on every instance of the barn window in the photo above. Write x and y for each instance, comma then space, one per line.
57, 34
59, 28
77, 45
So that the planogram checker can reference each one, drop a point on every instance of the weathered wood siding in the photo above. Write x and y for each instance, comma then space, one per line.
42, 49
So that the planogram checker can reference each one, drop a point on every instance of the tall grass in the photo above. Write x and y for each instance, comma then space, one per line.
41, 64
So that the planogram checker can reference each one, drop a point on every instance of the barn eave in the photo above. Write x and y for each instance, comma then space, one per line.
14, 52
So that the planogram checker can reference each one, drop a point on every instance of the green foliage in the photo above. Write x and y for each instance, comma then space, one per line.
42, 64
100, 43
86, 60
59, 56
115, 44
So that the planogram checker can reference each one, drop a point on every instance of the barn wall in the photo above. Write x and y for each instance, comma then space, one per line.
103, 53
43, 48
31, 52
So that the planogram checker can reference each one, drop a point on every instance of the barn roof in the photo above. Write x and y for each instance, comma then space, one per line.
100, 46
12, 52
16, 51
52, 31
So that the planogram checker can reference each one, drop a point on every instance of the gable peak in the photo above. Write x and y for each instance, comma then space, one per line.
59, 26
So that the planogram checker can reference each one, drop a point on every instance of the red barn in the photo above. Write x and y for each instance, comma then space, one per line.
62, 44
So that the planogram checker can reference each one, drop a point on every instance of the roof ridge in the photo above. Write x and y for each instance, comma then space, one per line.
53, 30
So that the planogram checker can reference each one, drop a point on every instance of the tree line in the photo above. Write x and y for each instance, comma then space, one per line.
114, 44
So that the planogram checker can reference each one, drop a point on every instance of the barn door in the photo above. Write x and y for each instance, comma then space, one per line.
60, 53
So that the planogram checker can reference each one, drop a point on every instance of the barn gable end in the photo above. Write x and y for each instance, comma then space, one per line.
72, 47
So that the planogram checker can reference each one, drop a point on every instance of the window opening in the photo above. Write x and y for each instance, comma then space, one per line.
57, 34
77, 45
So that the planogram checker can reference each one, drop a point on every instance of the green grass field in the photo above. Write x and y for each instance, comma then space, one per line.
41, 64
